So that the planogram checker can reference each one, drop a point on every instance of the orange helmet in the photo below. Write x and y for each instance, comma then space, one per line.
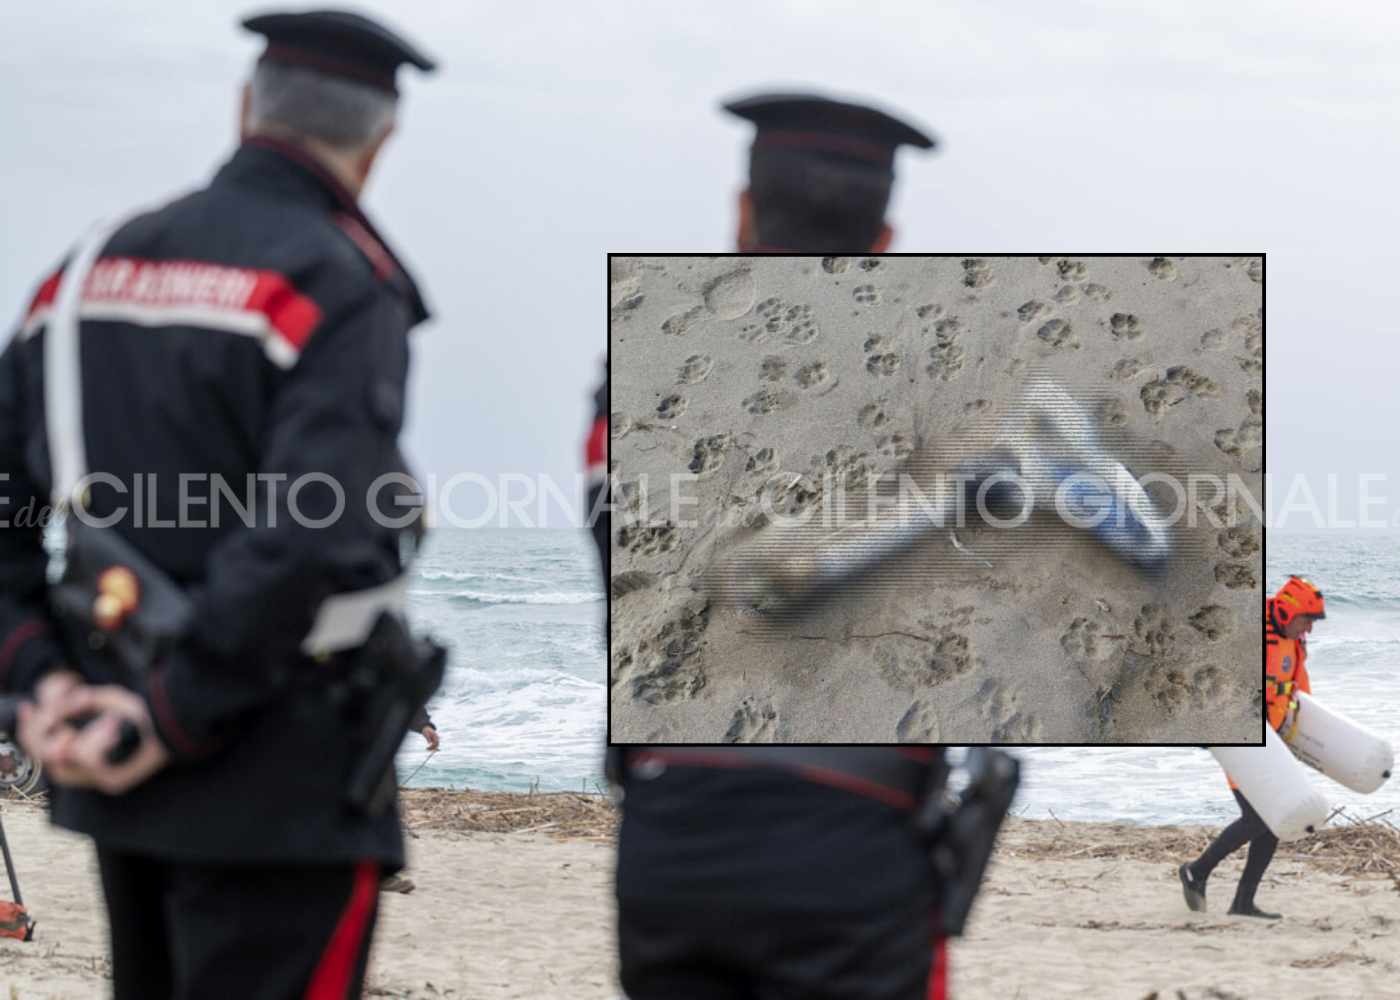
1297, 597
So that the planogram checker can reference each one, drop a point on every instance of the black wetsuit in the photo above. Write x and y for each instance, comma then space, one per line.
1248, 829
751, 882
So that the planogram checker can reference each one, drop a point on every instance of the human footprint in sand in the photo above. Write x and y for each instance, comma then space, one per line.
1288, 617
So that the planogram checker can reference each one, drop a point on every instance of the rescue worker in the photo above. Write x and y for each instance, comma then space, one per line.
1288, 617
772, 872
820, 173
255, 328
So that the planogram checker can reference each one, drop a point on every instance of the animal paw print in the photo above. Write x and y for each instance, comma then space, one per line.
882, 364
871, 264
1073, 270
929, 312
812, 375
1168, 686
998, 704
1097, 292
1091, 642
1162, 268
1125, 326
1255, 270
895, 447
666, 667
754, 722
1244, 444
836, 265
1113, 413
977, 406
919, 725
872, 416
1214, 622
874, 342
924, 663
695, 368
1033, 311
1239, 540
681, 322
1067, 296
709, 453
1125, 370
867, 295
1154, 632
1256, 401
845, 465
1058, 333
650, 541
619, 424
802, 327
763, 460
789, 498
771, 311
977, 274
672, 407
765, 401
1213, 340
1180, 382
1236, 576
947, 361
773, 369
753, 333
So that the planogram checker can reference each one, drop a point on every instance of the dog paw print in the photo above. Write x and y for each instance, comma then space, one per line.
867, 295
1153, 631
695, 368
1057, 333
1214, 622
672, 407
976, 274
1125, 326
882, 364
836, 265
1162, 268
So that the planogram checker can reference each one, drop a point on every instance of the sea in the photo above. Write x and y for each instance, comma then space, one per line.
523, 703
1354, 666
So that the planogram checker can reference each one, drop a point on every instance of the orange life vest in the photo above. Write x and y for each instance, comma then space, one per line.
1284, 671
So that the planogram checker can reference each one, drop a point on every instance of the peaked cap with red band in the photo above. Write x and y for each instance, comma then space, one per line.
819, 125
338, 43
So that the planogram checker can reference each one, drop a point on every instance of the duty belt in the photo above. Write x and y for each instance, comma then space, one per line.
883, 774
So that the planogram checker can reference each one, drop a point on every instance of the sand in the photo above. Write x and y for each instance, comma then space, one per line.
742, 374
1068, 910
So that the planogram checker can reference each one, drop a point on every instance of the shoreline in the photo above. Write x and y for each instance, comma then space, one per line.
514, 899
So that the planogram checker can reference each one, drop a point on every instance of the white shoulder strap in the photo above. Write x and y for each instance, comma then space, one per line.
63, 380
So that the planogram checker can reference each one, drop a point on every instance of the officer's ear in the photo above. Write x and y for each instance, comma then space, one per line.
366, 158
245, 105
882, 242
746, 226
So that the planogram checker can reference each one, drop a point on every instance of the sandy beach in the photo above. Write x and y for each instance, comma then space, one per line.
788, 373
1068, 910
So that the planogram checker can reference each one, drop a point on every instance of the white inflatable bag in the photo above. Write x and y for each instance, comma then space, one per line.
1345, 751
1275, 785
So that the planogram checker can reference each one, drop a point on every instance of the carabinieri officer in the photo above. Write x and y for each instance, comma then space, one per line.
242, 348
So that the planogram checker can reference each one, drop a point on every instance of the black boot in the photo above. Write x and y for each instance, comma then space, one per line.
1193, 889
1239, 909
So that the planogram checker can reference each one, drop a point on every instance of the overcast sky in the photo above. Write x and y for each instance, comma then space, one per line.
558, 131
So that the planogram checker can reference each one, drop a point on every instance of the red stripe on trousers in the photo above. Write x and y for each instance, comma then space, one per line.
938, 973
597, 450
331, 980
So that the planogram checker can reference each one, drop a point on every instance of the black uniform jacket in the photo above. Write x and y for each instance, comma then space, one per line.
752, 838
255, 331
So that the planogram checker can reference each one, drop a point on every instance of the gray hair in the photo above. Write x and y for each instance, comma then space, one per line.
343, 114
